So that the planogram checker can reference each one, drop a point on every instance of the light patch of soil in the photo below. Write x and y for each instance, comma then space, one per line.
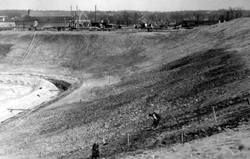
22, 92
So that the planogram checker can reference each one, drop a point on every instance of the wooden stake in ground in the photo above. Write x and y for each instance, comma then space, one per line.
182, 136
248, 101
198, 114
128, 139
215, 118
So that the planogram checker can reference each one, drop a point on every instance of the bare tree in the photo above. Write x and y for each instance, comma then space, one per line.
126, 17
136, 16
233, 13
238, 12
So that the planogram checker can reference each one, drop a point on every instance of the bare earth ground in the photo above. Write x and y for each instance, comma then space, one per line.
118, 78
22, 92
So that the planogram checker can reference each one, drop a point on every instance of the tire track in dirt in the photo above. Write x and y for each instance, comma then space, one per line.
28, 50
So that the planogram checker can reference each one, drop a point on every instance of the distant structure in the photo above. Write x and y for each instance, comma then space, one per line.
172, 23
195, 23
5, 24
48, 19
59, 20
3, 18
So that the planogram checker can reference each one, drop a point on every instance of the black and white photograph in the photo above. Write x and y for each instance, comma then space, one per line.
124, 79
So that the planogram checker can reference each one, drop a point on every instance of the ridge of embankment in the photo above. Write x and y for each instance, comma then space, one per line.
107, 52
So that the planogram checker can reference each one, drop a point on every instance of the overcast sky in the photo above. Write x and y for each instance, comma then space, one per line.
114, 5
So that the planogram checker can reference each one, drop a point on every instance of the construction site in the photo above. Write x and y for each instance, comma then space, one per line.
61, 92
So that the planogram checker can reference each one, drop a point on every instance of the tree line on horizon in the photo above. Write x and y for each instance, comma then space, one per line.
137, 17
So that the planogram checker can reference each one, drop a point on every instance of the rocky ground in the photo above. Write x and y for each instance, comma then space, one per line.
197, 80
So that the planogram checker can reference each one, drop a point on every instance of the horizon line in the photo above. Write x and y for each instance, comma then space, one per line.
115, 10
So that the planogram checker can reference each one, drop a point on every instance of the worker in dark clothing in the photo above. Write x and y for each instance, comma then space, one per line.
95, 151
156, 119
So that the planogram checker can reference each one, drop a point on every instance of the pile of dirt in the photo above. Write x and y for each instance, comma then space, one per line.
186, 76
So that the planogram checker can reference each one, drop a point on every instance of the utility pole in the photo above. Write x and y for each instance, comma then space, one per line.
76, 10
95, 13
198, 19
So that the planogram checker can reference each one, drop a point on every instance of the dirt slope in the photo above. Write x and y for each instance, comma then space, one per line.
125, 76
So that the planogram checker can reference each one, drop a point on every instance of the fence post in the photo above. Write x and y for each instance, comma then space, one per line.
128, 139
215, 118
182, 136
198, 114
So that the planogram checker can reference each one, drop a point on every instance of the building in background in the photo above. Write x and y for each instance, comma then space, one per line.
3, 18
